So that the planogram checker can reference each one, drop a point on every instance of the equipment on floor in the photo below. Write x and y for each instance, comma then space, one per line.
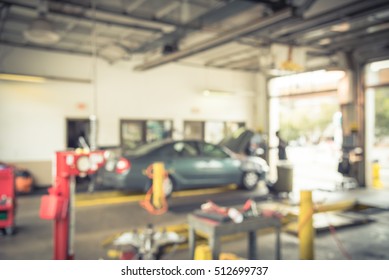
147, 245
7, 200
212, 211
58, 205
24, 182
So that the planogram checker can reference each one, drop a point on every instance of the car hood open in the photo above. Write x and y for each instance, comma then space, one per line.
238, 141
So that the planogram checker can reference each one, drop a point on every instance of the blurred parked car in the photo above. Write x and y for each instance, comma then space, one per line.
191, 164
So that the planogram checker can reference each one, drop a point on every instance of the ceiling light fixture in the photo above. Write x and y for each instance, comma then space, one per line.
41, 30
211, 92
324, 41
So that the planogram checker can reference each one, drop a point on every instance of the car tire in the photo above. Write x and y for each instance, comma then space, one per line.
168, 186
250, 180
9, 230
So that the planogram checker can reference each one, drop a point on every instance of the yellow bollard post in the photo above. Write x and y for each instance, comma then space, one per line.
203, 252
377, 184
305, 226
158, 177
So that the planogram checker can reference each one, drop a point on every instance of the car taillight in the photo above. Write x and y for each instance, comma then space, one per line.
122, 166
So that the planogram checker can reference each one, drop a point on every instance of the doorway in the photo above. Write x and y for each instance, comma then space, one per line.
76, 129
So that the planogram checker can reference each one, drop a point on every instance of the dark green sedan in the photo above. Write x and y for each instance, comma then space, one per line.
190, 163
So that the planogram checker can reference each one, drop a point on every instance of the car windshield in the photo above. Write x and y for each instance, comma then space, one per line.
145, 148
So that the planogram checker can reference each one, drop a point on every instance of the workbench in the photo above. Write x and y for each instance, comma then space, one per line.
215, 230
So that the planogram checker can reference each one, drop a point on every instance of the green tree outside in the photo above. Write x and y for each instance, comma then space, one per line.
381, 113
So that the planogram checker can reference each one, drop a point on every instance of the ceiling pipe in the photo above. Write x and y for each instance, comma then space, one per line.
327, 18
124, 13
30, 6
244, 62
364, 14
366, 39
42, 48
228, 55
227, 36
340, 36
210, 17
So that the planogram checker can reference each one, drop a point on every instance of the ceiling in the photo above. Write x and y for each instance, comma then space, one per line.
246, 35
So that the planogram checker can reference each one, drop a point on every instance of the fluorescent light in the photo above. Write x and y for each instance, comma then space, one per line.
22, 78
341, 27
211, 92
324, 41
39, 79
377, 28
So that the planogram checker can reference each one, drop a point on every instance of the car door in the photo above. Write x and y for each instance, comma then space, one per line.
181, 159
219, 167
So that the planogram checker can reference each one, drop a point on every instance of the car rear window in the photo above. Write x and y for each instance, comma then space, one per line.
210, 150
146, 148
179, 149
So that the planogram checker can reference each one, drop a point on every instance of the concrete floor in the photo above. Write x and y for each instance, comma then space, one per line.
94, 224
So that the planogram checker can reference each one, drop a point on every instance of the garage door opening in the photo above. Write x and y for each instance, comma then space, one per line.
377, 120
305, 109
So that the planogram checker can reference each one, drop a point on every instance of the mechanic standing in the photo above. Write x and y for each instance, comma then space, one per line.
282, 144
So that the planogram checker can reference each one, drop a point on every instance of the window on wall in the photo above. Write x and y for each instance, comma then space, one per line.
136, 132
132, 134
157, 130
214, 131
194, 130
213, 151
231, 127
210, 131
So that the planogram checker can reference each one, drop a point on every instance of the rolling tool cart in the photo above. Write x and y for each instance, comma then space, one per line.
7, 200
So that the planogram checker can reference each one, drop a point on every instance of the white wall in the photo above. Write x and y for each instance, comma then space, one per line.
32, 115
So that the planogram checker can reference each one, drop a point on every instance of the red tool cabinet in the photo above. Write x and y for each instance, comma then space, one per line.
7, 200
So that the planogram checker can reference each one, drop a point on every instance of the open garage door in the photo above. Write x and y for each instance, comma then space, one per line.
305, 109
377, 121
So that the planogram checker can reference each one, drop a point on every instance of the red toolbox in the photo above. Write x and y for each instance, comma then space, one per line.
7, 200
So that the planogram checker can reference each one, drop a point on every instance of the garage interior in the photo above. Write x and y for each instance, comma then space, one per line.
123, 73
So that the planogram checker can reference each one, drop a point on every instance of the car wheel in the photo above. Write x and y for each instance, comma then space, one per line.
167, 184
249, 180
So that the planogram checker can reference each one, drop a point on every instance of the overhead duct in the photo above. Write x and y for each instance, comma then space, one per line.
227, 36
